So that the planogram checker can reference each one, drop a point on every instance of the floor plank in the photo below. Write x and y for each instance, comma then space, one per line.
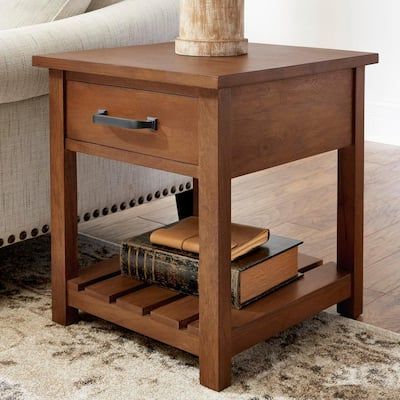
117, 227
383, 312
384, 275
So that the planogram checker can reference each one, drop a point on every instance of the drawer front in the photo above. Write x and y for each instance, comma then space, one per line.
176, 134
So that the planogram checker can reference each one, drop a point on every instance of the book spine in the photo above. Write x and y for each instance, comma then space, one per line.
168, 270
158, 267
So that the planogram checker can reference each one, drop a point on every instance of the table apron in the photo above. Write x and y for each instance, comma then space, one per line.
282, 121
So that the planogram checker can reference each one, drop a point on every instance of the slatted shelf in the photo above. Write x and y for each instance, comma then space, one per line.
103, 270
307, 263
147, 299
112, 288
179, 313
172, 318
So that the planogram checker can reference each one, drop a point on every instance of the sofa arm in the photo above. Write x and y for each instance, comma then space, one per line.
126, 23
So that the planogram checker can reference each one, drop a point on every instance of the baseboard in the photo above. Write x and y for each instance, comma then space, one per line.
382, 122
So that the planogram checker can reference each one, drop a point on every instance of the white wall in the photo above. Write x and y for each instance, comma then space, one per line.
366, 25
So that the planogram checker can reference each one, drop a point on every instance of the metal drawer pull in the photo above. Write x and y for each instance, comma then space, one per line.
102, 118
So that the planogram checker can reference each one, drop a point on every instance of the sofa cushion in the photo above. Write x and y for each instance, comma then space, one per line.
97, 4
17, 13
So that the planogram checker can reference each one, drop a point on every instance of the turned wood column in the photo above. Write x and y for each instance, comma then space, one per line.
211, 28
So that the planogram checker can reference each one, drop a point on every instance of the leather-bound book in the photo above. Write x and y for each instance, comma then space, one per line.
254, 275
184, 235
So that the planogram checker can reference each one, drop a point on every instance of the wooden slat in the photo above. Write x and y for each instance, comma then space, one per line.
110, 289
319, 289
194, 327
147, 299
179, 313
144, 325
98, 272
307, 263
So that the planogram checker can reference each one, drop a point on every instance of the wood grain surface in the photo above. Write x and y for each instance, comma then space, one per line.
215, 239
350, 215
282, 121
64, 250
177, 120
159, 63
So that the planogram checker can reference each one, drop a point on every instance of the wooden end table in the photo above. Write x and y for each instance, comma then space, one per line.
216, 119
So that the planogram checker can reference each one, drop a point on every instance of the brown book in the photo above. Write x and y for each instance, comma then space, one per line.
185, 236
254, 275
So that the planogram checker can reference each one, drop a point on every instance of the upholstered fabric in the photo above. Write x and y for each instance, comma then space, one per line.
24, 134
17, 13
124, 23
24, 173
97, 4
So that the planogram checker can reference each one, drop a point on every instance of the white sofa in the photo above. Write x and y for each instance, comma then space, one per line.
24, 134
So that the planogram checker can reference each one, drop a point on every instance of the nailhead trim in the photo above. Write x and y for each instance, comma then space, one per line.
105, 211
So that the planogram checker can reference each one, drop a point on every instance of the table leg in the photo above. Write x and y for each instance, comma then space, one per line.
351, 204
64, 253
215, 219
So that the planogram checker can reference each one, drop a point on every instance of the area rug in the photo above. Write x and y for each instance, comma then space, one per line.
327, 357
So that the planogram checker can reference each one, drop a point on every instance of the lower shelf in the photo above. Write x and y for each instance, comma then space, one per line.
173, 318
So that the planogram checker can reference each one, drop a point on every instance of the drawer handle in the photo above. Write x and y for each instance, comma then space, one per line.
102, 118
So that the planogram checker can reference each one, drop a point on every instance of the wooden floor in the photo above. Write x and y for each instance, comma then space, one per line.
299, 200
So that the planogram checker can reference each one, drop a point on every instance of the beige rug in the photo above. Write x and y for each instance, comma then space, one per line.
328, 357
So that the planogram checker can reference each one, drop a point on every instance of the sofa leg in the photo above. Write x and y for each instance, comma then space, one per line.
187, 202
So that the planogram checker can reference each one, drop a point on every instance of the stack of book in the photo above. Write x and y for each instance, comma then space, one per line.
169, 257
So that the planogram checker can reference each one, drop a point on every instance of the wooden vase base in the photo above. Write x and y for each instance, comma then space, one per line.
217, 48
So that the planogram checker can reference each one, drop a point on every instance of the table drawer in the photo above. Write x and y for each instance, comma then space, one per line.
176, 134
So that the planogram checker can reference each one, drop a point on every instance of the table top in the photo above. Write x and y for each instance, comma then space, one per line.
159, 63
